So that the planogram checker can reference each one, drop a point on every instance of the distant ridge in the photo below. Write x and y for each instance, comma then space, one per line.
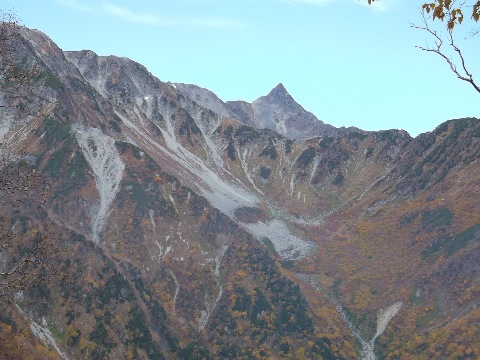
277, 111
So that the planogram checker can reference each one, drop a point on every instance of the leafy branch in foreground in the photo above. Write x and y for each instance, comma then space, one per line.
451, 13
461, 71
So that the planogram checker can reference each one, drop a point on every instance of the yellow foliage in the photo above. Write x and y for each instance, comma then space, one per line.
83, 344
129, 354
240, 274
5, 329
362, 297
300, 354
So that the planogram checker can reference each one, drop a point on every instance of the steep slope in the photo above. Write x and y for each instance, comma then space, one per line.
278, 111
411, 230
203, 97
192, 228
149, 267
191, 142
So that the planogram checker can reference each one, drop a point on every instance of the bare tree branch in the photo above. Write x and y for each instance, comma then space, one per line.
463, 74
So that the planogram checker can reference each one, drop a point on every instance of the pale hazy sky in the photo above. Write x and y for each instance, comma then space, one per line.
348, 63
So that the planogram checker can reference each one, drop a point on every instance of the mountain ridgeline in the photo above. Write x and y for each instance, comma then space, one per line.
180, 226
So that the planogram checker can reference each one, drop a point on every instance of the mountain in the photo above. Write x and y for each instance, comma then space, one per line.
174, 225
277, 111
204, 98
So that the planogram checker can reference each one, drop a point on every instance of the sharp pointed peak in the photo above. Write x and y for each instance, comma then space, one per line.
278, 95
279, 89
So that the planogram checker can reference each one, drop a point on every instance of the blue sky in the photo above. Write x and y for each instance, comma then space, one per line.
349, 63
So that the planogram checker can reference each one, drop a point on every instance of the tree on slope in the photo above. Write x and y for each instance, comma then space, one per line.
17, 79
26, 245
9, 31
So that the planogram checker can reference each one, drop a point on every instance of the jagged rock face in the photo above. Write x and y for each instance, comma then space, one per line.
194, 228
277, 111
204, 98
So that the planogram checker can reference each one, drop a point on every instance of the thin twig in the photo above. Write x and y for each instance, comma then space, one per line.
466, 75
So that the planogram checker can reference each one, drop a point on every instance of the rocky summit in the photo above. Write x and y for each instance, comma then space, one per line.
143, 219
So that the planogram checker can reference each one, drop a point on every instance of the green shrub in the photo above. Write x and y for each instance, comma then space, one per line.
269, 151
265, 172
55, 131
195, 351
100, 337
451, 245
306, 157
246, 134
437, 217
369, 152
288, 146
338, 180
231, 151
326, 141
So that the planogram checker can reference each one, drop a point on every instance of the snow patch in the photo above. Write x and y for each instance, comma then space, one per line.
207, 129
292, 184
205, 314
42, 333
173, 202
243, 160
219, 192
367, 348
4, 127
384, 317
177, 290
102, 156
155, 237
219, 187
287, 245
